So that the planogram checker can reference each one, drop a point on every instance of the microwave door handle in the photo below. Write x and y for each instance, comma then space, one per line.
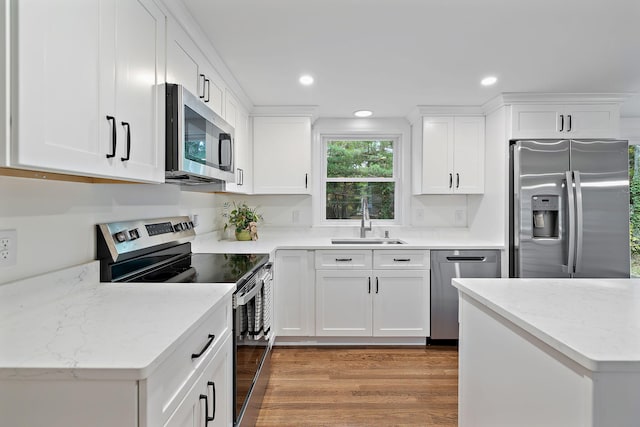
245, 298
569, 267
221, 138
579, 222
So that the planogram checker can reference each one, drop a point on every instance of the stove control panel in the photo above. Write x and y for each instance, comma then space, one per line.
118, 238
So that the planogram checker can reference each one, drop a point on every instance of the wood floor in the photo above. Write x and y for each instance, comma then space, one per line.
319, 386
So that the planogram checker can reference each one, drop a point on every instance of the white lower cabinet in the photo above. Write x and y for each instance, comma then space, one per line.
343, 303
209, 402
293, 293
192, 382
389, 302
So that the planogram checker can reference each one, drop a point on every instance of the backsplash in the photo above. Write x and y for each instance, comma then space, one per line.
55, 220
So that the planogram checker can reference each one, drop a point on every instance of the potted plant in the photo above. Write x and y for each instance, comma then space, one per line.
243, 219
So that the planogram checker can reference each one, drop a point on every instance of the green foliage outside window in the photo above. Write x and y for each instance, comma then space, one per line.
352, 170
634, 211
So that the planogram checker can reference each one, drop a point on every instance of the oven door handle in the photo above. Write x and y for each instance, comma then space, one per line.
245, 298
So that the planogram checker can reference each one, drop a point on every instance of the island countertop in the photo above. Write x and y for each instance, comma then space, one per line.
595, 322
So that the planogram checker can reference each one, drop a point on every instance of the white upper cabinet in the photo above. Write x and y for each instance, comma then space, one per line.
565, 121
452, 155
188, 66
139, 89
87, 76
281, 155
237, 117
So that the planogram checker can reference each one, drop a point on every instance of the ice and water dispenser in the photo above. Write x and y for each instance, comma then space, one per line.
545, 210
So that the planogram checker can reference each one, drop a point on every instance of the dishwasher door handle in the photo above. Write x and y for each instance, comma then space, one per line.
466, 258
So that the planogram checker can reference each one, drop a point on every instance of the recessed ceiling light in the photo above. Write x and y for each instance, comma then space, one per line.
306, 80
363, 113
488, 81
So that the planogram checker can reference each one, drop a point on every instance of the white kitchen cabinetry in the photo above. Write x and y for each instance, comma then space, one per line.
294, 293
237, 117
208, 402
282, 155
188, 66
84, 75
390, 300
565, 121
453, 155
170, 394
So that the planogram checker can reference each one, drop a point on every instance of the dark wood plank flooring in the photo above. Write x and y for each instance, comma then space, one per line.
320, 386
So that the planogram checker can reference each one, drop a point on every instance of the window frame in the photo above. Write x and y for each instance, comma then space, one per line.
396, 141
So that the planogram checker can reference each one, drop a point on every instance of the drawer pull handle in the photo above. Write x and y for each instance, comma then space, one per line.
402, 259
213, 401
344, 259
207, 418
206, 346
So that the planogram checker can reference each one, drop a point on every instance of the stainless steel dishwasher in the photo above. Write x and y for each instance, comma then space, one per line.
447, 265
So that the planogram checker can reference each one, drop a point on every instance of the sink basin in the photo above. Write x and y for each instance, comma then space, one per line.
367, 242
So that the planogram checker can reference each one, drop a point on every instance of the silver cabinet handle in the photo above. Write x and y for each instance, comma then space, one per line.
450, 180
569, 126
457, 180
561, 122
402, 259
344, 259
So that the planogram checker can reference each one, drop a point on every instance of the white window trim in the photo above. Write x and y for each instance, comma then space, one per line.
397, 178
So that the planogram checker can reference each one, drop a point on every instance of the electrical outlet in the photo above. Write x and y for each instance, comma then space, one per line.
420, 215
295, 216
8, 247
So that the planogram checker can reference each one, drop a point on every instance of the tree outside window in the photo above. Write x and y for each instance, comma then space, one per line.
356, 169
634, 209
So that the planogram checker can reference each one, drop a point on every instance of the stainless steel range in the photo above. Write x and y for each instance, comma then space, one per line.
159, 250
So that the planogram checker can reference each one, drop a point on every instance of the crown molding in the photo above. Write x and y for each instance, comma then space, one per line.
286, 111
443, 110
512, 98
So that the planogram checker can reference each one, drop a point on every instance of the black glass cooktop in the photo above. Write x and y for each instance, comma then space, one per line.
206, 268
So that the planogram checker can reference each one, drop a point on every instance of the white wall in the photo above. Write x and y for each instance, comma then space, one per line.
55, 220
487, 213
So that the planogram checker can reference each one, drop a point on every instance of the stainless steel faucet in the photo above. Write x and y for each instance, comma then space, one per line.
365, 217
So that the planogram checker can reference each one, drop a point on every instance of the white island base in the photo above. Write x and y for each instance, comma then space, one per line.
518, 369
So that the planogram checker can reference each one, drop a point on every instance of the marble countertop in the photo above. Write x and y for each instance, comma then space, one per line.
307, 239
595, 322
67, 324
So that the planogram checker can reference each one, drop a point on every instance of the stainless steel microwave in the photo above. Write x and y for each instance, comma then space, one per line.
199, 143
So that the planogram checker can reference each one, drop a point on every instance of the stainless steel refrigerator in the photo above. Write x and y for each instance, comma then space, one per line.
569, 208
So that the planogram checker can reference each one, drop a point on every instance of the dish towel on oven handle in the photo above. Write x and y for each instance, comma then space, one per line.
257, 327
267, 304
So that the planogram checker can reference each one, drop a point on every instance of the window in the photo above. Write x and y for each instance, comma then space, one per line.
356, 168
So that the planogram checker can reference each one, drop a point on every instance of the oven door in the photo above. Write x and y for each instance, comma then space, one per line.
252, 349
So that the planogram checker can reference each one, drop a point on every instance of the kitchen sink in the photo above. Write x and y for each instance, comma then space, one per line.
367, 242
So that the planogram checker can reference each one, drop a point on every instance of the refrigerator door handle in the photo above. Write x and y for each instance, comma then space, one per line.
569, 267
579, 222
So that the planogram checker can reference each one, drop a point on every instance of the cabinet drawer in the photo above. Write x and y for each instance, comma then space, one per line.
167, 386
348, 259
401, 259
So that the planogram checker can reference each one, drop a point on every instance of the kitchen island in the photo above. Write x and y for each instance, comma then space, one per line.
552, 352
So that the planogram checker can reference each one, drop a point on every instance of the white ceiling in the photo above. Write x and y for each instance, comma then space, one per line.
391, 55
